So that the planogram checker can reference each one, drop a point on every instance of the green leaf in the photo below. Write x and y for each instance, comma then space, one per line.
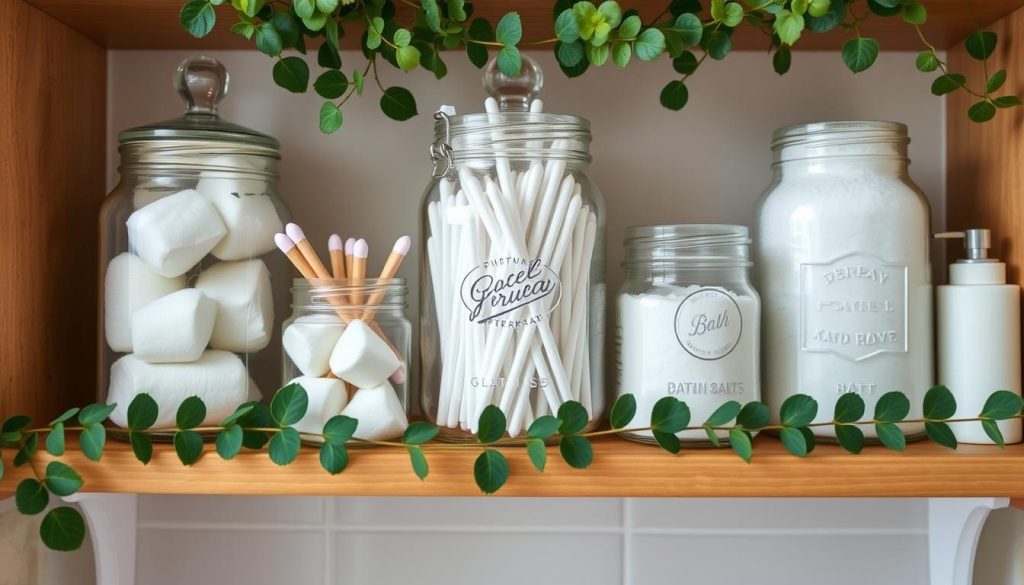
197, 17
799, 6
623, 411
849, 408
573, 417
509, 30
915, 13
374, 33
61, 480
27, 450
92, 440
577, 451
629, 28
188, 445
940, 433
677, 7
718, 9
328, 57
1002, 405
490, 471
948, 83
611, 12
981, 44
597, 55
926, 62
268, 41
794, 441
939, 403
191, 413
431, 60
686, 63
723, 414
397, 103
782, 59
420, 432
95, 413
510, 62
798, 410
333, 457
649, 45
457, 10
339, 429
789, 25
717, 43
62, 529
402, 38
833, 17
996, 81
538, 453
15, 423
892, 407
284, 446
621, 53
740, 442
68, 414
991, 429
419, 462
670, 415
690, 29
142, 446
30, 497
287, 28
712, 436
55, 440
733, 14
292, 73
316, 22
860, 53
565, 27
667, 441
819, 8
229, 441
891, 436
570, 55
1007, 101
408, 58
240, 412
254, 439
885, 8
304, 8
753, 415
290, 403
544, 427
491, 426
142, 412
477, 54
10, 439
431, 14
808, 438
850, 437
358, 80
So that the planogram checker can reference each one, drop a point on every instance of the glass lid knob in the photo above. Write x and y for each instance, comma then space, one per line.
202, 82
514, 94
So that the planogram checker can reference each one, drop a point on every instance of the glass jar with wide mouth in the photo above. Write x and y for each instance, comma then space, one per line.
513, 295
347, 344
192, 294
843, 243
688, 322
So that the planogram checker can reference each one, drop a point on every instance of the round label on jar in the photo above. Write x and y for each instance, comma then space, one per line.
510, 292
709, 324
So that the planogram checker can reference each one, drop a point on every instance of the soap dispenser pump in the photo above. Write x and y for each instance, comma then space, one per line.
979, 335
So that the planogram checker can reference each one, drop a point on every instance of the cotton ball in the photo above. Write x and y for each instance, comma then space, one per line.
362, 358
309, 340
174, 233
327, 397
174, 328
129, 284
380, 414
248, 213
245, 307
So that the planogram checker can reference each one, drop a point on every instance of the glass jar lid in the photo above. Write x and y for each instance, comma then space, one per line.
687, 246
202, 82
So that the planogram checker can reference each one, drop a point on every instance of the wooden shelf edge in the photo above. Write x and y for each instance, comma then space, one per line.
620, 469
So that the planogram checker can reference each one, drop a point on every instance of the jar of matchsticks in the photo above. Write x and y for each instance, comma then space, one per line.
513, 295
193, 292
347, 344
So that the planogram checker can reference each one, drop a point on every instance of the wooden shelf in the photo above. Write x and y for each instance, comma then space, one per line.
153, 24
620, 468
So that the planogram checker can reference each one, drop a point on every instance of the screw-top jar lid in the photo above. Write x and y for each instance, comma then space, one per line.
687, 246
202, 83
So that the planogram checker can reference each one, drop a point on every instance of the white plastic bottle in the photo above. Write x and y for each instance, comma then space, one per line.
979, 335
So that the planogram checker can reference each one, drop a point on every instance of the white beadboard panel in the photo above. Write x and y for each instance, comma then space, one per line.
488, 513
785, 513
1000, 558
199, 510
777, 560
473, 559
175, 557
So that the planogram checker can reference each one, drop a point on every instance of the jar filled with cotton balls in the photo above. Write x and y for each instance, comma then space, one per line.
513, 294
187, 275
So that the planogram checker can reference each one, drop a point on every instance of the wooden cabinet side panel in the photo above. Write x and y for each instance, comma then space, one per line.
52, 182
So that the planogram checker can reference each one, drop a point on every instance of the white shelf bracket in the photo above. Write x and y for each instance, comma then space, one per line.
111, 522
954, 527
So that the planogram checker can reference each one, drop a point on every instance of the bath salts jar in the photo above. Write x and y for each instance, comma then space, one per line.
843, 241
512, 301
688, 322
193, 291
348, 346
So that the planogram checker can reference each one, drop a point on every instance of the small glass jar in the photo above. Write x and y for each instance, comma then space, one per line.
688, 322
192, 294
512, 307
843, 242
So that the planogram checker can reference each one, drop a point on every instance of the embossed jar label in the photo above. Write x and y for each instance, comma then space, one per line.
854, 307
709, 324
510, 292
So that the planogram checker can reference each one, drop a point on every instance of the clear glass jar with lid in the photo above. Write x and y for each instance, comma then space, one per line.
843, 243
688, 322
512, 305
191, 295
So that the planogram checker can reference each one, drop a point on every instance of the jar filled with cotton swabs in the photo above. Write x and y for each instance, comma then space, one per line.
512, 301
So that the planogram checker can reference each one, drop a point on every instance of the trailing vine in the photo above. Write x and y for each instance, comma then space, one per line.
585, 35
257, 426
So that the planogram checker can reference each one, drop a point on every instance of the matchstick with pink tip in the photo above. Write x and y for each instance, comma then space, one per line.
296, 235
286, 245
349, 245
336, 247
357, 275
394, 261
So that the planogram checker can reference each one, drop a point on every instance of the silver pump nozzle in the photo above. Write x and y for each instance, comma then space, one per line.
977, 243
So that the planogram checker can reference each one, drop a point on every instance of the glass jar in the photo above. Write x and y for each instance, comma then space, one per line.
512, 309
688, 322
191, 294
843, 237
347, 346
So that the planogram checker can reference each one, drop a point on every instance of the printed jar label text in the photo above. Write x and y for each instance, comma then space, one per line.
510, 292
709, 324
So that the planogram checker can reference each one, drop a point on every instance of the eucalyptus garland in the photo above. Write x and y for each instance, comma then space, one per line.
257, 426
585, 35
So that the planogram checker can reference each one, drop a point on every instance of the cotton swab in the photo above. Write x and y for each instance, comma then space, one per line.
336, 247
286, 245
296, 235
349, 244
394, 261
360, 251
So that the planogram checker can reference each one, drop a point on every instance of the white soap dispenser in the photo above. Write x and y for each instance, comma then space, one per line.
979, 335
